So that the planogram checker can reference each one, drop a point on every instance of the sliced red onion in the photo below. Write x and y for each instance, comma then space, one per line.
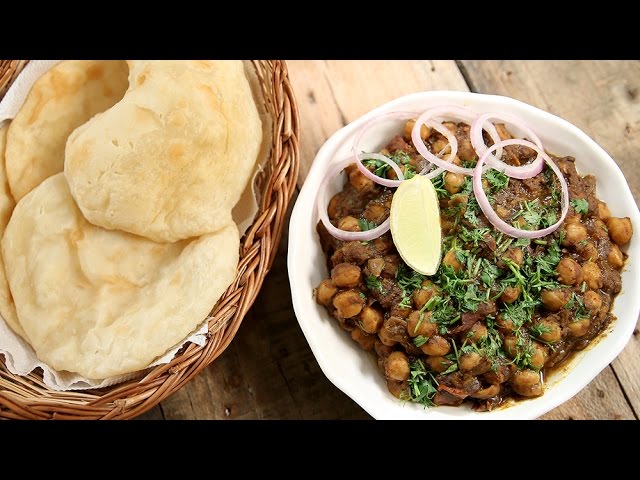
425, 119
490, 213
359, 157
322, 204
372, 176
521, 172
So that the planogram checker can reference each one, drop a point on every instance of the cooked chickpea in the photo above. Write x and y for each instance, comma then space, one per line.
539, 354
451, 260
527, 383
375, 212
396, 366
615, 256
451, 126
399, 311
504, 324
425, 132
453, 182
325, 292
469, 361
548, 330
348, 304
334, 205
477, 332
510, 294
572, 217
393, 331
510, 345
421, 326
349, 224
383, 350
437, 346
555, 300
487, 392
588, 250
579, 328
499, 375
398, 389
438, 364
371, 319
569, 271
386, 338
502, 212
574, 233
440, 145
359, 181
620, 230
423, 294
515, 255
346, 275
592, 301
604, 213
366, 341
592, 274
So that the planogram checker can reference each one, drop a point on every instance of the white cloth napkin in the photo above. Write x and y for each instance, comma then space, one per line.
20, 358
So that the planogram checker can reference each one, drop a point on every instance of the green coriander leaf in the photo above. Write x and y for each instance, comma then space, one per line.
580, 205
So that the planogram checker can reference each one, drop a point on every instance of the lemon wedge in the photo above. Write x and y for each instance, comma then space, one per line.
415, 224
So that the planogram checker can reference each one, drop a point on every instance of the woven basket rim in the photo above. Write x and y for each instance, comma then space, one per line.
26, 397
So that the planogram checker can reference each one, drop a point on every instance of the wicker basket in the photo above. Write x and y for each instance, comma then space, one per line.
28, 397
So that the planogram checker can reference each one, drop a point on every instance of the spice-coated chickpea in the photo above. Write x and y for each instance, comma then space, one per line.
592, 301
425, 132
419, 323
366, 341
349, 224
574, 233
436, 345
325, 292
592, 275
371, 319
527, 383
453, 182
569, 271
346, 275
620, 230
555, 300
615, 256
396, 366
579, 328
348, 304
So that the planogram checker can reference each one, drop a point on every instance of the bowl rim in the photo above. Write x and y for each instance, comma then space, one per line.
537, 406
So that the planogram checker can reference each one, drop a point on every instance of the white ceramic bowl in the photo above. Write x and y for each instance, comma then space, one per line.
352, 369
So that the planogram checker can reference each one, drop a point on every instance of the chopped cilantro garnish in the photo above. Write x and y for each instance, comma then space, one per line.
580, 205
366, 224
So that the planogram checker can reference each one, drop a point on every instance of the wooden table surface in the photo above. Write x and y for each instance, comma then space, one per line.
269, 372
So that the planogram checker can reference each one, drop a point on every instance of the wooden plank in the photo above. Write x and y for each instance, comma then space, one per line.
154, 414
603, 99
598, 401
331, 94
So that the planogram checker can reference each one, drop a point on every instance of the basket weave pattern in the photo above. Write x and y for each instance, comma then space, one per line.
28, 397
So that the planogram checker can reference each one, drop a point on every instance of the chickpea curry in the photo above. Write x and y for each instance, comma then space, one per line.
501, 312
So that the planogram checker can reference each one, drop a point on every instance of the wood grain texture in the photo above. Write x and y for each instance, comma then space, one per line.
269, 371
332, 93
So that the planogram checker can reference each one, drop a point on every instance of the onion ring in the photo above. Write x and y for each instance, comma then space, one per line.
520, 172
358, 160
490, 213
322, 204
